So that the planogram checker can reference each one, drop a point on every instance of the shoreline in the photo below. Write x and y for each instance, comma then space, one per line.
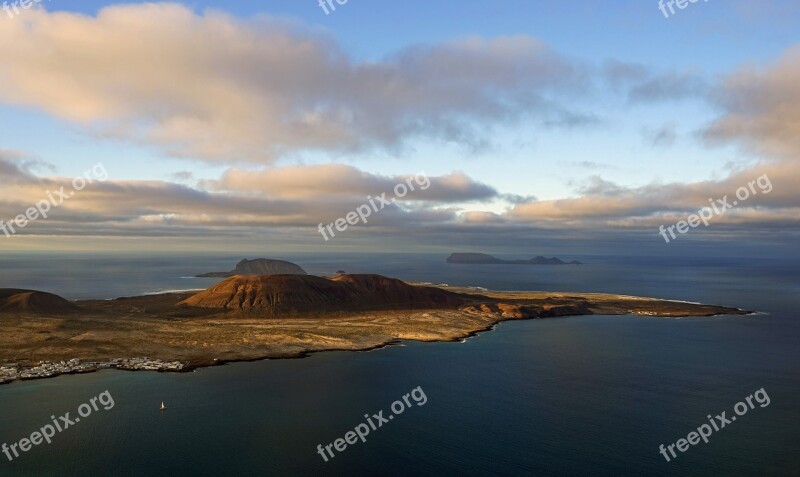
161, 366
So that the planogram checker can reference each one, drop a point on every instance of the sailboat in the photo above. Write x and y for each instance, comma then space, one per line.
163, 407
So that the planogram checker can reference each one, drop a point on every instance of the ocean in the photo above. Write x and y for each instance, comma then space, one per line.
564, 396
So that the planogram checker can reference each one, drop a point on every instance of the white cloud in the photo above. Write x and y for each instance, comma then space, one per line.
216, 87
761, 109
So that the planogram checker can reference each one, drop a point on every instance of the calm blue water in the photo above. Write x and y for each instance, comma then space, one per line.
569, 396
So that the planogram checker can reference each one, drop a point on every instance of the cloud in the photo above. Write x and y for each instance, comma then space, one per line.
183, 176
247, 209
18, 166
338, 180
664, 136
483, 218
669, 86
773, 14
220, 88
761, 109
517, 198
644, 84
603, 203
243, 201
616, 71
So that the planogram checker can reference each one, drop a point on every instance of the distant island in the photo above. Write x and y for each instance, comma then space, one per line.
259, 266
484, 259
246, 318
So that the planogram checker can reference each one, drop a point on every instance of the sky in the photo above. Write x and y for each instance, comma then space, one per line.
572, 127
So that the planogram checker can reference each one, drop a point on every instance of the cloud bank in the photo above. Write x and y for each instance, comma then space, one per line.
246, 93
215, 87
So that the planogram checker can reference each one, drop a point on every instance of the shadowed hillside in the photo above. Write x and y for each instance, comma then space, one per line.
29, 301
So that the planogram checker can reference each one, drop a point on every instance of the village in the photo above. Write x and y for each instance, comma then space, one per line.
46, 369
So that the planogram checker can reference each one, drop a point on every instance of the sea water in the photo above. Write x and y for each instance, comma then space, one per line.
566, 396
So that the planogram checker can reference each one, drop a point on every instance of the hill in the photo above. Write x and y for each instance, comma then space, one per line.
30, 301
274, 295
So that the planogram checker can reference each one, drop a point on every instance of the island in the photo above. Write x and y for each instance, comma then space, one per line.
484, 259
259, 266
246, 318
